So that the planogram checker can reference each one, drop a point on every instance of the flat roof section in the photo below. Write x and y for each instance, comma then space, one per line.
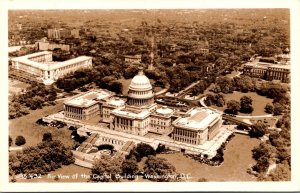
88, 99
48, 65
197, 119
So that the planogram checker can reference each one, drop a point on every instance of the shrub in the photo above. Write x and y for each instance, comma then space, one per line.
20, 140
47, 136
10, 141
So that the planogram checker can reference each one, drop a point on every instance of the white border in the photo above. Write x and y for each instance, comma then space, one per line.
294, 6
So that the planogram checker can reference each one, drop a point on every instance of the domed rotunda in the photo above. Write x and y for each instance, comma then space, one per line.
140, 90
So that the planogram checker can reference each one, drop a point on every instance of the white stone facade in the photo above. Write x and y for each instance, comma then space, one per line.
41, 66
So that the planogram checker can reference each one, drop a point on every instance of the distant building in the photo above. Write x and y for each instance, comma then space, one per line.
62, 33
133, 59
44, 45
269, 69
75, 33
41, 66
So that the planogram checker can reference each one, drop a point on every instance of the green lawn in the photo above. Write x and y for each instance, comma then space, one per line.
237, 158
259, 102
33, 132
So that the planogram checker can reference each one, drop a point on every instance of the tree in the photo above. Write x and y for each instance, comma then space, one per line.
144, 150
40, 159
106, 169
202, 180
130, 168
269, 108
233, 107
20, 140
116, 86
246, 104
10, 141
278, 109
259, 129
281, 173
264, 150
47, 136
160, 169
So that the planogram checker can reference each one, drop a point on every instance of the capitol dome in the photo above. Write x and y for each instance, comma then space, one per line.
140, 90
140, 82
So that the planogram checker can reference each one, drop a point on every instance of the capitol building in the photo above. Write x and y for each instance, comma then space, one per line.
137, 118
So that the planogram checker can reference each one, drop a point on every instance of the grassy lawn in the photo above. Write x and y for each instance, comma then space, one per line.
33, 132
16, 86
237, 156
258, 103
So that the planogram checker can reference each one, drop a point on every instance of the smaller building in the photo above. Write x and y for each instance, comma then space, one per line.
161, 120
41, 66
268, 69
85, 106
107, 106
197, 126
45, 45
131, 120
135, 59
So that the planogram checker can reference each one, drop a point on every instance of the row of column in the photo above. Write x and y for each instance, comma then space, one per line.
185, 133
277, 75
127, 122
74, 110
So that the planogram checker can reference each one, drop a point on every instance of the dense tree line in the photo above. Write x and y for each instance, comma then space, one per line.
113, 169
276, 150
215, 99
35, 97
40, 159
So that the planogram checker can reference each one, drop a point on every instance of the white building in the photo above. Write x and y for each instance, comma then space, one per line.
197, 126
85, 106
137, 59
41, 66
197, 131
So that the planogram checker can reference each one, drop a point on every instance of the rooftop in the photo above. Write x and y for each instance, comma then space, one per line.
197, 118
132, 113
48, 65
88, 99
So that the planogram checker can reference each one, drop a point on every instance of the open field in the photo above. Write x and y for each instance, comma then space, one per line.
16, 86
258, 104
33, 132
237, 158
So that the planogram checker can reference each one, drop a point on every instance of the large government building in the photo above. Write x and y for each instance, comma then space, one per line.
41, 66
269, 69
138, 118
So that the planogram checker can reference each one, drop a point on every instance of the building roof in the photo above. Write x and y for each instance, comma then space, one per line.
116, 102
131, 113
164, 111
48, 66
197, 119
88, 99
138, 56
